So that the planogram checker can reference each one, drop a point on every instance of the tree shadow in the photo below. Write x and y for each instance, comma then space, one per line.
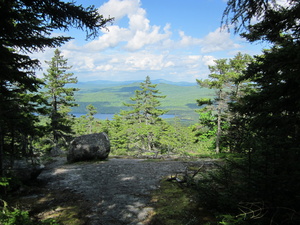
117, 191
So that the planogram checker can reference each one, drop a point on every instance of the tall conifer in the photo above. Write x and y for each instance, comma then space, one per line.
146, 103
60, 97
143, 119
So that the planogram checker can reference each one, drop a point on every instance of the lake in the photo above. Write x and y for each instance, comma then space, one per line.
104, 116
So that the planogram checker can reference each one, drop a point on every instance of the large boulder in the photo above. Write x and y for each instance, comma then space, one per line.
89, 147
24, 170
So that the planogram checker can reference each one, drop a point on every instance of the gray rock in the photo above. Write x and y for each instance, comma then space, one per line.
56, 151
89, 147
26, 171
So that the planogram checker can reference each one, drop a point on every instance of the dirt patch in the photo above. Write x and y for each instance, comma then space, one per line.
117, 191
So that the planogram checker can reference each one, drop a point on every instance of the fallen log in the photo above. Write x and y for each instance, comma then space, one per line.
185, 177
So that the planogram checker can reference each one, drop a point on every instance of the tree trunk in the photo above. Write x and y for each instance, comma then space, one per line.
1, 152
218, 130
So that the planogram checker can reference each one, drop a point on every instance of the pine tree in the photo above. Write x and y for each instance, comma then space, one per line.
91, 111
144, 117
60, 97
145, 106
224, 79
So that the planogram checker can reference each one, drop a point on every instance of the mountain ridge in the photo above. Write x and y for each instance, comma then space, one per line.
117, 83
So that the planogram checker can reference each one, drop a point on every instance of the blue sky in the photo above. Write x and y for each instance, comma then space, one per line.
174, 40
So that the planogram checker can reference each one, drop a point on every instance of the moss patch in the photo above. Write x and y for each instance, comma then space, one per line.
175, 204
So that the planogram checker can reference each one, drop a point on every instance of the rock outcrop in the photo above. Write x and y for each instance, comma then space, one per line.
25, 170
89, 147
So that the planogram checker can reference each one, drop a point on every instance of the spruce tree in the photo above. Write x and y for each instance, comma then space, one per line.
60, 97
91, 111
224, 79
143, 118
86, 124
145, 106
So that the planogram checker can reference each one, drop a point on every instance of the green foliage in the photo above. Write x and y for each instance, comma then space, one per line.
174, 204
117, 132
204, 101
224, 79
144, 108
15, 217
20, 217
206, 127
176, 138
26, 27
60, 97
274, 122
213, 190
204, 132
231, 220
141, 131
143, 118
261, 185
4, 181
49, 222
87, 124
166, 139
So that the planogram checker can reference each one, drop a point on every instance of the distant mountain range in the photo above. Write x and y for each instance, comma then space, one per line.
108, 83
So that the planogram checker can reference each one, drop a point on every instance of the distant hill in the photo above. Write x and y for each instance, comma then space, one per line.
99, 84
109, 96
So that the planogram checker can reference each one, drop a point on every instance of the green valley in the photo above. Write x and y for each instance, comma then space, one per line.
108, 97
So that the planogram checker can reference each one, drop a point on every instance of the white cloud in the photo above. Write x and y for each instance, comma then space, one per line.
208, 60
284, 3
219, 40
148, 36
169, 64
109, 39
136, 36
138, 20
139, 47
114, 60
141, 34
187, 41
104, 67
118, 8
146, 61
198, 62
71, 45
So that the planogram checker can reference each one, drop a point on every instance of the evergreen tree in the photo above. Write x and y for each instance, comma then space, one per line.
144, 116
91, 111
145, 106
87, 124
205, 130
60, 97
224, 79
117, 130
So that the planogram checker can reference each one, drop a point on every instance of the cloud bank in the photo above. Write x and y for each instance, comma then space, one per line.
132, 48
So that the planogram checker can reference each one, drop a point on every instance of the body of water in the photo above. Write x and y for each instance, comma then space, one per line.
105, 116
